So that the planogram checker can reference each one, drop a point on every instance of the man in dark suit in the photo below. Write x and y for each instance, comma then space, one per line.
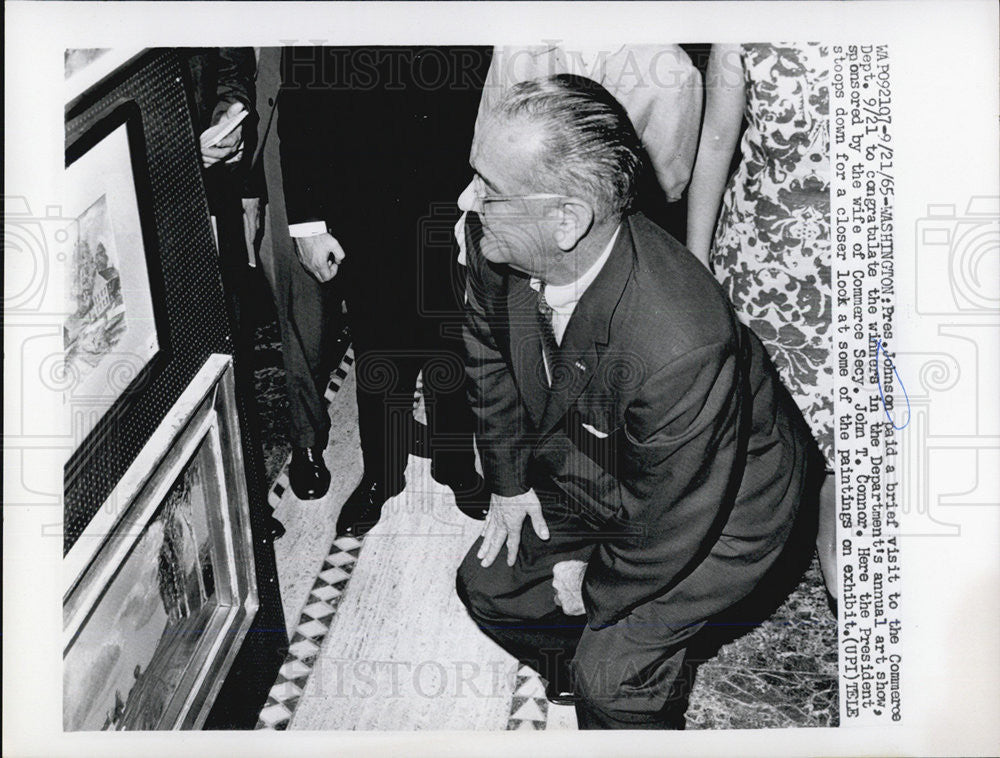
622, 410
373, 143
300, 300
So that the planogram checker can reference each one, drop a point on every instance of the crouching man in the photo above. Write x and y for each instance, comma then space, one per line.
645, 464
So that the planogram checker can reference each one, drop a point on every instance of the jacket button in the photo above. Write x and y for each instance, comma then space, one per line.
270, 101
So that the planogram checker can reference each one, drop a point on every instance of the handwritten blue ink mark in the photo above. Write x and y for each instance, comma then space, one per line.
878, 378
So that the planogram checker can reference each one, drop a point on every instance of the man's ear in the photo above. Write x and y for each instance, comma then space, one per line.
576, 217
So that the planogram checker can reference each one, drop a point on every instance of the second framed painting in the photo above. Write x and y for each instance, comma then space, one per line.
161, 586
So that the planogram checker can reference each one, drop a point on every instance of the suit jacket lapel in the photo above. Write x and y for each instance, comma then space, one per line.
588, 331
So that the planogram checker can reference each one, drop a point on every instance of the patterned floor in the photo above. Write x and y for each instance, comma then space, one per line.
313, 625
350, 603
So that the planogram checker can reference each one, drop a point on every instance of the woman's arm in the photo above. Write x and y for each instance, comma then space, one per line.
725, 100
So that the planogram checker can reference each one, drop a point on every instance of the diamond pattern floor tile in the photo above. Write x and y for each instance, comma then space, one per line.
273, 714
294, 669
334, 576
325, 593
316, 617
312, 629
304, 649
318, 610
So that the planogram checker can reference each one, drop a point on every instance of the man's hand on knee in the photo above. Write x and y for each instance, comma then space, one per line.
503, 525
567, 581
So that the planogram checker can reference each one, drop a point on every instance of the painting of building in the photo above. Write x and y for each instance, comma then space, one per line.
97, 314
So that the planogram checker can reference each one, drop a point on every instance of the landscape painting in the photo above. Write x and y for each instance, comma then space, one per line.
125, 665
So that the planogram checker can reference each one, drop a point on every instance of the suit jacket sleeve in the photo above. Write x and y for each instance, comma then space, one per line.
677, 482
233, 71
303, 123
501, 421
235, 83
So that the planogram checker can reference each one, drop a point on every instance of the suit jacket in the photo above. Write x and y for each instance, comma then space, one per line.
657, 85
665, 427
265, 167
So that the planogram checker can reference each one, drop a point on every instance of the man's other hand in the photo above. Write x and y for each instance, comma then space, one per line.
253, 224
320, 255
567, 581
503, 525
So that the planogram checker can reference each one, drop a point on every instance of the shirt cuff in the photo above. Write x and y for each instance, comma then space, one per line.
307, 229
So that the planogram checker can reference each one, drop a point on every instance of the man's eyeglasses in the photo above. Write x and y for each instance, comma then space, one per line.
488, 199
494, 202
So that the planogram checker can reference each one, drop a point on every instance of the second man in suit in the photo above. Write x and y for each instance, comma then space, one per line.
373, 142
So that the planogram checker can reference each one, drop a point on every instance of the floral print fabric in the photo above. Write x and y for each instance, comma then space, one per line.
772, 243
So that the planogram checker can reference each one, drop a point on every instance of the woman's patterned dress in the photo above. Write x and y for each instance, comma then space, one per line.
772, 244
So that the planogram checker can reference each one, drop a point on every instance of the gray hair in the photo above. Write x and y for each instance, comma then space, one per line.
589, 146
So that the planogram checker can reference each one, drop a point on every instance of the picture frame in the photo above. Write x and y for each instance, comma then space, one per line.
85, 67
160, 589
115, 333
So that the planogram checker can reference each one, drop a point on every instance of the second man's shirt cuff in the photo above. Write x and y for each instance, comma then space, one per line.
307, 229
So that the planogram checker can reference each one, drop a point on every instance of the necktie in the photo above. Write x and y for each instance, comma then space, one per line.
549, 344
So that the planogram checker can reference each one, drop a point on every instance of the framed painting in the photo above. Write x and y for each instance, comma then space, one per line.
161, 586
114, 329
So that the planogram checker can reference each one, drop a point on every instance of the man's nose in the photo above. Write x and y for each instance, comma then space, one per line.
467, 200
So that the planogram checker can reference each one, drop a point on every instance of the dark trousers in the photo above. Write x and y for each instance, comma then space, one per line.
405, 314
236, 285
405, 318
631, 675
301, 304
386, 382
376, 144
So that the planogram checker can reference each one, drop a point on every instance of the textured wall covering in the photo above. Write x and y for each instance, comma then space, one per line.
196, 324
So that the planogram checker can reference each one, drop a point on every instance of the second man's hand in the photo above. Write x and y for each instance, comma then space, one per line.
503, 525
320, 255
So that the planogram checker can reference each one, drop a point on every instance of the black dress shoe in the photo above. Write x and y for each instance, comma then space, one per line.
308, 474
363, 507
560, 694
471, 495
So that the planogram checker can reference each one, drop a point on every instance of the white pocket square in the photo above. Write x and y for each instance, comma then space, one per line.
596, 432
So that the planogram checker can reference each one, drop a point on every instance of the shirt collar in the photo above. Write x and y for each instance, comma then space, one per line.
564, 297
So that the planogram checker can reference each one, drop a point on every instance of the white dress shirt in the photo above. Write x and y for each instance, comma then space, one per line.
562, 298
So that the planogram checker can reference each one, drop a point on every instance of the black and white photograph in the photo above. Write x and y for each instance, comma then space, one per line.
443, 384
